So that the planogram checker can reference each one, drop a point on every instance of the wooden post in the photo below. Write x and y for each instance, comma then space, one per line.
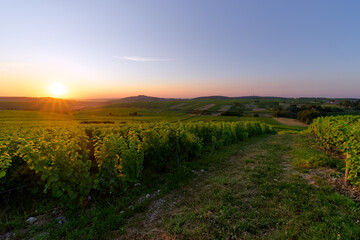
346, 170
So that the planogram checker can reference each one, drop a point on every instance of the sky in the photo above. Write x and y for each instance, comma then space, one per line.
180, 48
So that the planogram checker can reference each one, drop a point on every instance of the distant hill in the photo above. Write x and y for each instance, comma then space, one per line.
143, 98
260, 97
211, 98
44, 104
18, 99
140, 98
66, 105
244, 97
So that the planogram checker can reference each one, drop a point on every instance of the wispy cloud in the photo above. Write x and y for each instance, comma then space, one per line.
143, 59
11, 65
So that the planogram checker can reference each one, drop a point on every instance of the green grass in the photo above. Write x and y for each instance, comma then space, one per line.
256, 199
307, 155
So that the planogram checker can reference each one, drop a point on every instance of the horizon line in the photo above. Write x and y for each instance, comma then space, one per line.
177, 98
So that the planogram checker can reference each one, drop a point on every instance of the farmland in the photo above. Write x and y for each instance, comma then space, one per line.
184, 168
148, 120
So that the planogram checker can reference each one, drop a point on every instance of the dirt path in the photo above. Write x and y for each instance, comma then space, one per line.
152, 224
256, 194
290, 122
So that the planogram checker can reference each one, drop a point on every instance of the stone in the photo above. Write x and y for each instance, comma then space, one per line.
31, 220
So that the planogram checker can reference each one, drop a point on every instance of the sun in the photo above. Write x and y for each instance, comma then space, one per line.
57, 89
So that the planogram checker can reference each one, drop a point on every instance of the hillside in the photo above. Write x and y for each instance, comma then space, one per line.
148, 102
44, 104
140, 98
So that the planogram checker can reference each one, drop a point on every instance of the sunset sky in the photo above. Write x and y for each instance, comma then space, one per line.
106, 49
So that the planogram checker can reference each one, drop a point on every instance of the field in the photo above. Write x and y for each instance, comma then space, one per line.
171, 120
175, 169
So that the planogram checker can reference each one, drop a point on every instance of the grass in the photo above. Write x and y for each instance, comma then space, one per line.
307, 155
255, 198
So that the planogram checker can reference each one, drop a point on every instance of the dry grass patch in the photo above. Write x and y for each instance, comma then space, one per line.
290, 122
206, 107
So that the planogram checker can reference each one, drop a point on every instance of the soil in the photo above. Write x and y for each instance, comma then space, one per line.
224, 108
290, 122
206, 107
177, 106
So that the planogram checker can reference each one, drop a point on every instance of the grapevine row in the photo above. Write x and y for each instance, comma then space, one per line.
341, 133
69, 162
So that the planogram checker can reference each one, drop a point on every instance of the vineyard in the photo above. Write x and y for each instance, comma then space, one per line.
110, 178
341, 133
71, 162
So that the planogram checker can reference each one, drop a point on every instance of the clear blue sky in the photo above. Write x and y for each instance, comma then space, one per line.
181, 48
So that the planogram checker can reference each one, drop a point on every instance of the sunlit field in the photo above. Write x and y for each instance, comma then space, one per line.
179, 120
71, 155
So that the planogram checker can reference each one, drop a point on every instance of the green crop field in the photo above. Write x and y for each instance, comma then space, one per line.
94, 169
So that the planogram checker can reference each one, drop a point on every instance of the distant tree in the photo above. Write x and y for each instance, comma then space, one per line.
237, 104
356, 105
293, 108
277, 112
307, 116
346, 103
